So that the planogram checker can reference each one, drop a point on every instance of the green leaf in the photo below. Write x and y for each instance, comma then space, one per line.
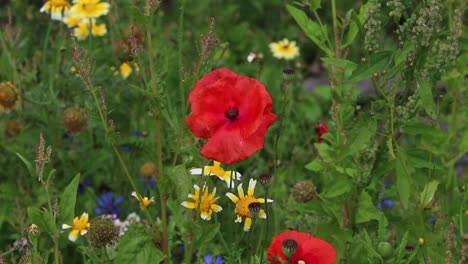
367, 210
338, 187
182, 180
356, 24
314, 4
401, 248
314, 165
428, 193
367, 242
209, 231
68, 201
28, 165
346, 65
312, 29
136, 246
426, 98
323, 91
401, 54
43, 219
375, 63
403, 183
360, 136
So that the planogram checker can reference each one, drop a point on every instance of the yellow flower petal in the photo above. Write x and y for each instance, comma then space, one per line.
247, 224
233, 198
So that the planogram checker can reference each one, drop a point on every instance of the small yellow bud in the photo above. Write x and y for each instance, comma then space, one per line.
421, 241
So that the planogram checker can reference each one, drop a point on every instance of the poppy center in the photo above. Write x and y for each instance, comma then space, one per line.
232, 113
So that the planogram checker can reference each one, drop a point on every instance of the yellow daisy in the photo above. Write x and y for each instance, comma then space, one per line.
56, 8
125, 70
89, 8
218, 171
82, 31
80, 227
144, 201
242, 204
284, 49
9, 96
205, 204
72, 21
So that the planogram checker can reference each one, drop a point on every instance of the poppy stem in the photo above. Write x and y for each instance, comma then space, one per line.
280, 126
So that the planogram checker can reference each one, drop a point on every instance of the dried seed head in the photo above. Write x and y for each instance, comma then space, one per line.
74, 119
9, 96
148, 170
102, 232
304, 191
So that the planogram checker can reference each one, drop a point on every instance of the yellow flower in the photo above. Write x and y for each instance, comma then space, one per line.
284, 49
205, 204
125, 70
9, 96
144, 201
217, 171
89, 8
242, 204
82, 31
72, 21
56, 8
80, 226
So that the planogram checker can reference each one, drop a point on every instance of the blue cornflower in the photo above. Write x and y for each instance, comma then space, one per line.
148, 183
208, 259
82, 185
138, 134
107, 205
385, 202
127, 148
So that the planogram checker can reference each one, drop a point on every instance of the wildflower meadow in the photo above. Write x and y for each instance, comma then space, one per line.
226, 131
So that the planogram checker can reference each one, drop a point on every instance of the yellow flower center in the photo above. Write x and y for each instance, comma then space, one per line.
285, 47
242, 207
80, 223
59, 3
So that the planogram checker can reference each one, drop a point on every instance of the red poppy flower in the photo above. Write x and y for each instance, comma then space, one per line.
321, 129
233, 112
309, 249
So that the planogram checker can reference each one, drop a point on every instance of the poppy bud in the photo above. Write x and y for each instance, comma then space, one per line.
385, 249
74, 119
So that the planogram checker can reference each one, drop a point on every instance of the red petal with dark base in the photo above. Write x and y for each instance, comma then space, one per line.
231, 139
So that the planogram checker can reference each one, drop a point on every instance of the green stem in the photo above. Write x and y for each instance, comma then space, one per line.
280, 126
179, 54
158, 140
334, 16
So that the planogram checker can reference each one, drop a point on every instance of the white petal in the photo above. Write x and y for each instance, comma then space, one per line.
197, 171
65, 226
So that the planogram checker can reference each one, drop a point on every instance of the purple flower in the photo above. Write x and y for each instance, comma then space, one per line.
148, 184
107, 205
208, 259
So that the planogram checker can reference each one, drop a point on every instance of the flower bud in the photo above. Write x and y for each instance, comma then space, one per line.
385, 249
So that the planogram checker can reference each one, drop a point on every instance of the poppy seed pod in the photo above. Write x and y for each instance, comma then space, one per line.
148, 170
